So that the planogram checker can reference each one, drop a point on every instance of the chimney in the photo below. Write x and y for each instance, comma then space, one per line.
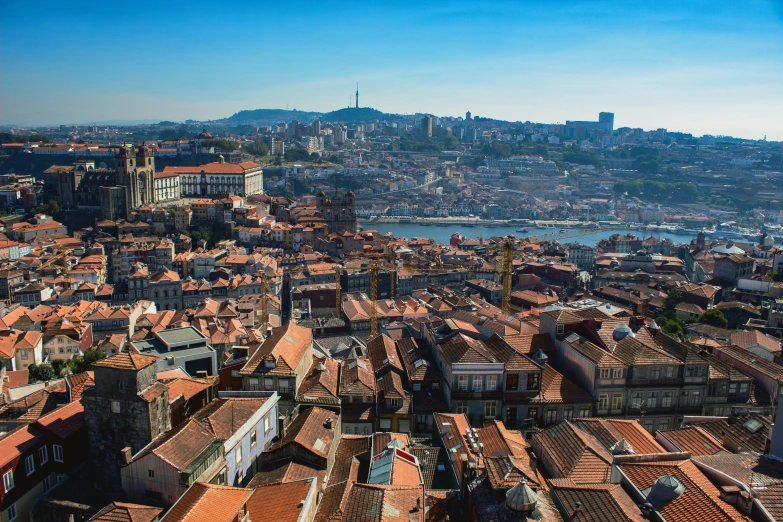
533, 462
202, 374
730, 494
268, 330
126, 455
328, 423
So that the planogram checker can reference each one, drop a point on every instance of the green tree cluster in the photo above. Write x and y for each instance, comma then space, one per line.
581, 157
221, 144
714, 317
50, 208
7, 137
297, 154
256, 148
658, 190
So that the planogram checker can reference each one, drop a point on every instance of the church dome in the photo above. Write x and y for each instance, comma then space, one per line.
204, 134
521, 497
621, 332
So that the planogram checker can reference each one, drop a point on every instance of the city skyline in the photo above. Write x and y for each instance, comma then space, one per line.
701, 68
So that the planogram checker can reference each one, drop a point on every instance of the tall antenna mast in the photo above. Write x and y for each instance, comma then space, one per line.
357, 95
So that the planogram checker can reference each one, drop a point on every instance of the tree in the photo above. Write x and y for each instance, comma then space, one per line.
674, 298
778, 276
40, 372
83, 364
714, 317
256, 148
50, 208
450, 142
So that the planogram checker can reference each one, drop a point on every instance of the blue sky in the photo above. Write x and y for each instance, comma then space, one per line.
702, 67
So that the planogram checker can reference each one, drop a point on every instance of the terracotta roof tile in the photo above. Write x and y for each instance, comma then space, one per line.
279, 502
596, 502
124, 512
692, 439
309, 431
127, 361
209, 503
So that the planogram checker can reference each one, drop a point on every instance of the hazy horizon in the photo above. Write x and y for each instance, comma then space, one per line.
704, 68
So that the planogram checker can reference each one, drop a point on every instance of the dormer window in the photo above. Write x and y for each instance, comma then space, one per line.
533, 381
270, 363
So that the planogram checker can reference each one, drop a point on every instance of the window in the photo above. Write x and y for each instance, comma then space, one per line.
120, 385
649, 425
462, 382
733, 387
652, 399
24, 353
385, 424
29, 465
666, 399
636, 400
603, 402
58, 452
512, 381
12, 512
267, 425
151, 473
669, 372
663, 424
617, 373
461, 407
253, 383
238, 455
490, 410
43, 455
551, 415
492, 383
655, 373
568, 413
8, 481
560, 329
605, 373
532, 380
695, 398
416, 386
253, 438
115, 407
617, 401
269, 383
477, 383
282, 385
743, 387
584, 412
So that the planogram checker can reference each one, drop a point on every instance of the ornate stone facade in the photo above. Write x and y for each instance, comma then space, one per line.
339, 211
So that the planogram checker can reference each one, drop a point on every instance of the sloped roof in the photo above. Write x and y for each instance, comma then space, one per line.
462, 349
127, 361
204, 502
286, 345
124, 512
309, 431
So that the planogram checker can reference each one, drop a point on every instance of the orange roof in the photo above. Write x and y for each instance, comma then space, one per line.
124, 512
279, 502
127, 361
204, 502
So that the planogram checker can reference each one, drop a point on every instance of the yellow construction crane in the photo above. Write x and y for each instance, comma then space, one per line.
507, 261
264, 302
337, 295
374, 299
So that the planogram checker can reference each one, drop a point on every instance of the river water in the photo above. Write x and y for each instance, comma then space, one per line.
443, 234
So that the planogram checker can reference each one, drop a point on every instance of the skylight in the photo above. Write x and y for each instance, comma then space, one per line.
753, 425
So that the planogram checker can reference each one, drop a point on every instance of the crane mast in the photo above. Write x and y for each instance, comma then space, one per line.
373, 299
508, 257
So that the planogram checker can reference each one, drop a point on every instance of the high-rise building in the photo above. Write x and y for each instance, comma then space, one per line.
426, 127
468, 116
607, 119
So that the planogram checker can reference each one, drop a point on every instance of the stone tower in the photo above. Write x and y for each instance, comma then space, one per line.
339, 211
125, 410
136, 172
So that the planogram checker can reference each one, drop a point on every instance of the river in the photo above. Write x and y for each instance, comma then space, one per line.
443, 234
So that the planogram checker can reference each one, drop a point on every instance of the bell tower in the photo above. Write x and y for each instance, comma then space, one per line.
145, 190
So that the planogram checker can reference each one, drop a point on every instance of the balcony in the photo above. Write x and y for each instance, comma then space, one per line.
465, 395
654, 383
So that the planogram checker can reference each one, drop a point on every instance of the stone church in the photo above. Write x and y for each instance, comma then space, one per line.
115, 192
338, 211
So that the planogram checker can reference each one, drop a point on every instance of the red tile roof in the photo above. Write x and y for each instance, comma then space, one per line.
309, 431
692, 439
64, 420
127, 361
280, 502
124, 512
204, 502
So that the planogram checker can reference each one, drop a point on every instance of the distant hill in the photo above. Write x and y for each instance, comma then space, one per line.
360, 115
269, 116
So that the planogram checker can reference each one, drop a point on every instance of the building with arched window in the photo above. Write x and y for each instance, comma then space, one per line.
217, 179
